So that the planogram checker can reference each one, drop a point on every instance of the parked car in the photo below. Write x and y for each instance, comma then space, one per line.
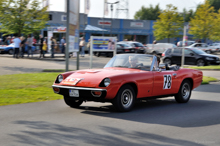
193, 56
124, 48
139, 47
217, 46
125, 79
187, 43
121, 48
9, 49
159, 48
203, 46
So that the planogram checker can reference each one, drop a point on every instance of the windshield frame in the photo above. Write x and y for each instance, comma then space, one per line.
145, 62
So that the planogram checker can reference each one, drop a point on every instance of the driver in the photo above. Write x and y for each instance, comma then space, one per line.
133, 61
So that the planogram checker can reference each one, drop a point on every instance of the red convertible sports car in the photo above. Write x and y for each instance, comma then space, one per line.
125, 79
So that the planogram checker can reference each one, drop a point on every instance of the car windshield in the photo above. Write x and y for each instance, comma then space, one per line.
124, 45
138, 45
137, 61
198, 51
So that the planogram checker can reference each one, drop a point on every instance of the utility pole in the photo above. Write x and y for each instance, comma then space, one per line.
111, 13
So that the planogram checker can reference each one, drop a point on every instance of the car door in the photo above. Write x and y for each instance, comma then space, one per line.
190, 58
165, 82
176, 56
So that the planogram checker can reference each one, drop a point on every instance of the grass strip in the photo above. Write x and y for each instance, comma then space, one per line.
25, 88
35, 87
211, 67
206, 80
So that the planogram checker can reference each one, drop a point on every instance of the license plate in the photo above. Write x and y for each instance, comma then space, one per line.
73, 93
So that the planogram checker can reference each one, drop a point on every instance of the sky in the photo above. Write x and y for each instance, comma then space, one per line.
96, 8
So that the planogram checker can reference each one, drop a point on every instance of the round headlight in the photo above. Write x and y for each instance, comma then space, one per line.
60, 78
107, 82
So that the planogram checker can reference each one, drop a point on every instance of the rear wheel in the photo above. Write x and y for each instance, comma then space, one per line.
73, 103
200, 62
124, 100
184, 93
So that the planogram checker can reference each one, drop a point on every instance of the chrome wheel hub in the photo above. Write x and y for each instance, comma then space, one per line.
185, 91
126, 98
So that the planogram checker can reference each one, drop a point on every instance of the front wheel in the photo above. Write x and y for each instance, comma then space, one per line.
10, 52
124, 100
73, 103
200, 62
184, 93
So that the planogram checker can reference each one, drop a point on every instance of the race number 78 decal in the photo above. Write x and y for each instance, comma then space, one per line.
167, 81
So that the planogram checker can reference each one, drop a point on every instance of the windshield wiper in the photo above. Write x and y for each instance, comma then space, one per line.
121, 66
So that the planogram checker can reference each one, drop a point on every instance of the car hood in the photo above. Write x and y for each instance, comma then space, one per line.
209, 55
93, 77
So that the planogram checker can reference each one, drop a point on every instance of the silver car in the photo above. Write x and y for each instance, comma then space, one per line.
159, 48
203, 46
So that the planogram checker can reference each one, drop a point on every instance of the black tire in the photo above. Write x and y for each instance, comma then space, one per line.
200, 62
167, 61
73, 103
10, 52
125, 98
184, 93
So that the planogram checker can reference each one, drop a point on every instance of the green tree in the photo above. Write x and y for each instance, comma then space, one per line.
22, 16
215, 4
202, 25
150, 13
215, 31
169, 24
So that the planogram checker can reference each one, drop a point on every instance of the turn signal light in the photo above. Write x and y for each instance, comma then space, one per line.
56, 90
96, 93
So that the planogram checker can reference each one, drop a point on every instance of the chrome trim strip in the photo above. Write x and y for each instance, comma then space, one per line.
79, 88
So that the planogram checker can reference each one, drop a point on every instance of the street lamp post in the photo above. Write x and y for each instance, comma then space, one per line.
112, 13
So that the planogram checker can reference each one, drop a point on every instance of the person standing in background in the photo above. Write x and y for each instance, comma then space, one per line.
44, 48
1, 42
29, 43
17, 44
41, 40
34, 41
23, 40
63, 41
82, 45
52, 46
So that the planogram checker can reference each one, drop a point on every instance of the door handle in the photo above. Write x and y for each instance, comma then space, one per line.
174, 74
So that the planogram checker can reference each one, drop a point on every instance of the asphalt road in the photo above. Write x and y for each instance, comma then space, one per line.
157, 122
